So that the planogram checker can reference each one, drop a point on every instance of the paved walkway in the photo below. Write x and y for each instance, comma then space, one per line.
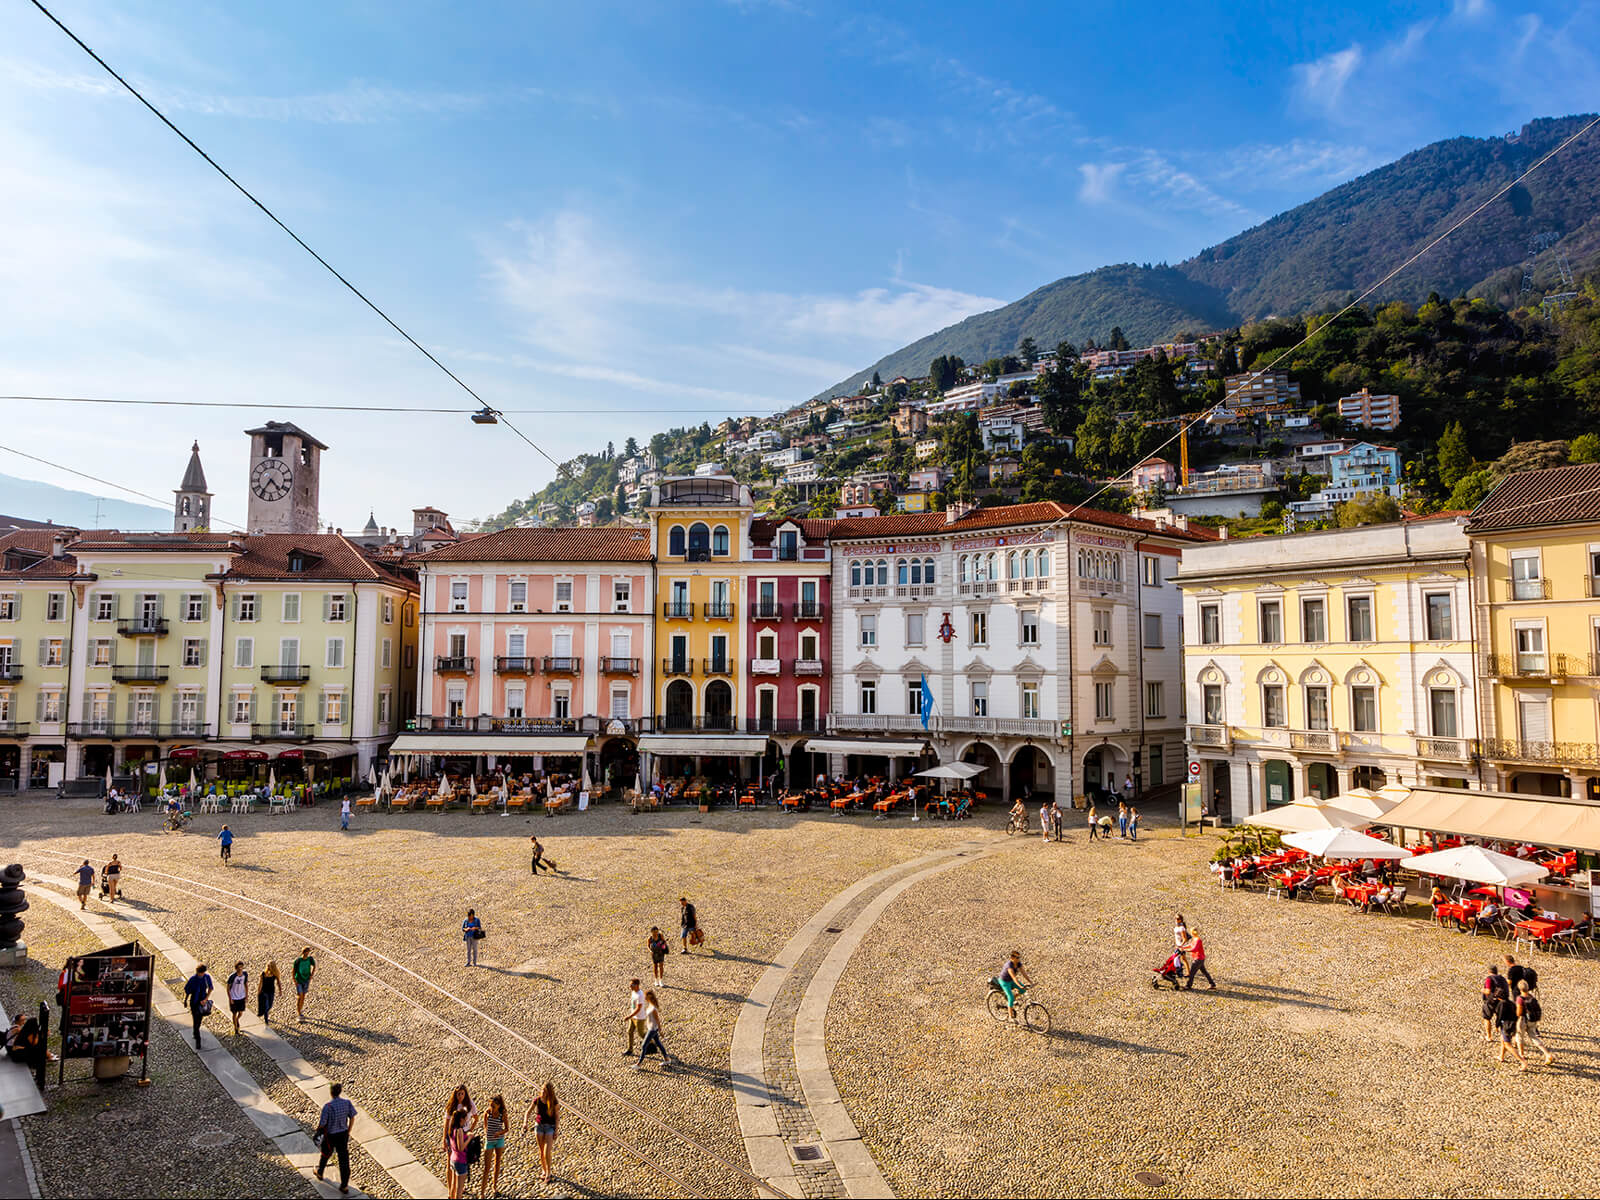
787, 1104
281, 1128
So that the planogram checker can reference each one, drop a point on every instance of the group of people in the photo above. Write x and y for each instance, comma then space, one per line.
1511, 1006
110, 881
1126, 823
198, 988
1188, 954
473, 1138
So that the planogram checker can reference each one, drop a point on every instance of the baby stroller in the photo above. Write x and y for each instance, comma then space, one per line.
1169, 971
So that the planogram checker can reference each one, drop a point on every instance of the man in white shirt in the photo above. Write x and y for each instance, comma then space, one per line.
636, 1027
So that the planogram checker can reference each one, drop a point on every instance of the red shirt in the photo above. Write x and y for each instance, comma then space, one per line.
1197, 950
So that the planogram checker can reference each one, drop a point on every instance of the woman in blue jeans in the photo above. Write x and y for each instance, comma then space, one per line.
471, 928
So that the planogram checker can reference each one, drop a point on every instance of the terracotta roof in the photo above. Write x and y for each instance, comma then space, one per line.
1038, 513
331, 557
1554, 496
102, 539
25, 554
608, 543
813, 529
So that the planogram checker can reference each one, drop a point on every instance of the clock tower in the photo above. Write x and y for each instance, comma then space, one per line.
285, 479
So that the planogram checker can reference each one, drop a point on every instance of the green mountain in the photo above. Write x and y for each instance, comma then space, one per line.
1325, 251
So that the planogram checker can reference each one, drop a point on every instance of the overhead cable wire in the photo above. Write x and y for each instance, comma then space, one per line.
274, 406
97, 479
273, 217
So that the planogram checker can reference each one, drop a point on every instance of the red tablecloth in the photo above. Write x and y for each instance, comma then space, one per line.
1362, 891
1542, 928
1459, 912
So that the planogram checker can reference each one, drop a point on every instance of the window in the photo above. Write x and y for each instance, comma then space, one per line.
1364, 709
1152, 571
244, 652
561, 704
788, 545
1530, 649
808, 597
516, 700
333, 708
386, 653
927, 571
1441, 626
1210, 624
291, 606
289, 652
55, 606
243, 703
1211, 703
869, 629
194, 607
914, 627
980, 698
767, 646
188, 712
1313, 620
384, 706
1274, 709
244, 605
1316, 708
1030, 701
619, 703
1358, 614
194, 652
1526, 581
100, 652
808, 647
1271, 612
52, 653
680, 653
980, 629
388, 610
1442, 711
622, 595
563, 595
855, 574
519, 595
719, 652
1152, 631
869, 697
336, 652
50, 706
699, 542
902, 573
1104, 701
675, 540
719, 540
1102, 626
9, 606
1030, 628
1154, 702
458, 595
914, 697
334, 606
105, 606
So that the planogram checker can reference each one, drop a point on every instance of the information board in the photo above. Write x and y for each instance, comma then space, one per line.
105, 1005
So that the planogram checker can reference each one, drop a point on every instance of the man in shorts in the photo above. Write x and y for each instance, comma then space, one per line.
305, 970
636, 1026
85, 883
688, 922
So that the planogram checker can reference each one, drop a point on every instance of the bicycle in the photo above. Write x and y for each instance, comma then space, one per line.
1017, 824
1035, 1016
176, 821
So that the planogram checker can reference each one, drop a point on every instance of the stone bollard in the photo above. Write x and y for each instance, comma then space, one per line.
13, 951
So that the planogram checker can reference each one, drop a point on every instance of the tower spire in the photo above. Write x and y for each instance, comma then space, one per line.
191, 508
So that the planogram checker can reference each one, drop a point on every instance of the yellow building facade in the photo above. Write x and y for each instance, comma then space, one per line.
1536, 561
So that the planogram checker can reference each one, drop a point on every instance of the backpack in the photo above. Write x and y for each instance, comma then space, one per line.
1530, 1009
474, 1149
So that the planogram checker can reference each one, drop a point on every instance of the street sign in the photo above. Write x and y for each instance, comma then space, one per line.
1194, 768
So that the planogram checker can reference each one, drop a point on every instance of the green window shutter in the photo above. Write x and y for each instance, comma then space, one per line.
38, 706
202, 642
200, 710
174, 708
44, 651
233, 606
327, 606
322, 707
161, 604
252, 706
111, 708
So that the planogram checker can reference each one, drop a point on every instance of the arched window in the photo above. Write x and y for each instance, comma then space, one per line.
719, 540
1044, 564
883, 572
916, 570
980, 568
1027, 565
927, 570
964, 568
183, 506
699, 540
902, 573
1116, 567
1013, 568
992, 565
855, 574
675, 540
1083, 564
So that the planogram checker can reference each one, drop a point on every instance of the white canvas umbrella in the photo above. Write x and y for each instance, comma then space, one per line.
472, 786
505, 798
272, 781
163, 777
1343, 843
372, 774
1362, 802
443, 789
1478, 865
108, 778
1304, 818
191, 781
959, 770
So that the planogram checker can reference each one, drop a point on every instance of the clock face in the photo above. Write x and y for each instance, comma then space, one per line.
270, 479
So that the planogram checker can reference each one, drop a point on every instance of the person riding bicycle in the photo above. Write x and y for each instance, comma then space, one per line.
1019, 814
1012, 981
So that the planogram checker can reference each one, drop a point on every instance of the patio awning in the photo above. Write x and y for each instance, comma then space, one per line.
721, 747
847, 746
245, 755
1504, 816
444, 743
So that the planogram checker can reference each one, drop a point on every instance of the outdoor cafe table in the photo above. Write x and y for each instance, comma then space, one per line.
1280, 858
1362, 892
1542, 929
1459, 912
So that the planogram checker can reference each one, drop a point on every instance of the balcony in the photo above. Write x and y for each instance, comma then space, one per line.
287, 673
765, 666
720, 611
716, 666
1563, 754
455, 664
619, 666
677, 666
766, 610
1531, 666
697, 555
293, 731
784, 725
788, 553
678, 610
1314, 741
684, 723
808, 666
1016, 726
1217, 737
565, 665
125, 673
138, 729
813, 611
10, 672
11, 729
515, 665
984, 587
142, 627
1528, 589
505, 725
878, 722
1445, 749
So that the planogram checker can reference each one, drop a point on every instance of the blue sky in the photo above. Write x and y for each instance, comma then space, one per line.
692, 210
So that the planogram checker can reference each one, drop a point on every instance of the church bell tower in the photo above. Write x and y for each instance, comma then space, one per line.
191, 510
285, 479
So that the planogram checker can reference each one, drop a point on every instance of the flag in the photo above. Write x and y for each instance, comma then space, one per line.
927, 701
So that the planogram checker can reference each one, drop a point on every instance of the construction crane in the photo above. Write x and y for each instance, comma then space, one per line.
1183, 424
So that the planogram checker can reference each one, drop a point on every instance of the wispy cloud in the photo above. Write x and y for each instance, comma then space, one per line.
1099, 181
1291, 163
1321, 83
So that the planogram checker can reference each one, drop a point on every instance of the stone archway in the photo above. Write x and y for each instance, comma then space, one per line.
1033, 771
985, 755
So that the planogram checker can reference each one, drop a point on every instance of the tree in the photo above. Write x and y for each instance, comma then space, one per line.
1585, 448
1095, 434
602, 510
1028, 351
611, 450
1059, 397
659, 445
621, 502
991, 367
1455, 460
630, 449
877, 381
944, 371
1118, 340
1380, 508
1470, 490
1010, 364
1530, 456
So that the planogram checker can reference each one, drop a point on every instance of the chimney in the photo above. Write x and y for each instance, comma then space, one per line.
58, 545
1222, 532
1181, 521
957, 510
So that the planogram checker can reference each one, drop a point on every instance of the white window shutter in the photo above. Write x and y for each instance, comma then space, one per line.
252, 706
44, 651
327, 605
111, 708
38, 706
200, 710
175, 696
202, 642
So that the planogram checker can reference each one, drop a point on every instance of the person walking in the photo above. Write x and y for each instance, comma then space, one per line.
658, 953
197, 998
688, 924
494, 1144
85, 884
459, 1111
1516, 973
1122, 820
1180, 936
238, 994
1044, 820
304, 971
538, 856
1195, 950
545, 1113
1094, 826
456, 1141
334, 1122
1528, 1014
635, 1021
1133, 824
1495, 990
1507, 1019
1127, 788
472, 934
111, 876
225, 836
1056, 830
267, 991
344, 813
652, 1033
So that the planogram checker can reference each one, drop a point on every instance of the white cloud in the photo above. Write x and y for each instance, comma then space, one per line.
1291, 163
1322, 83
1099, 181
1471, 10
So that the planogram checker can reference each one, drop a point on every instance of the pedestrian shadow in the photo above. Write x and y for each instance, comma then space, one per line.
1274, 996
314, 1028
1069, 1036
250, 866
730, 997
723, 956
520, 974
